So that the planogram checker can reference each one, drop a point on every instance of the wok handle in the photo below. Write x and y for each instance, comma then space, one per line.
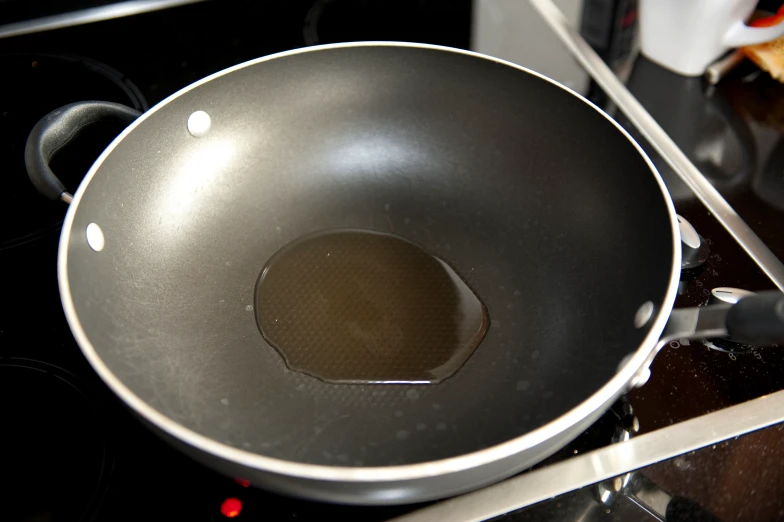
55, 130
757, 319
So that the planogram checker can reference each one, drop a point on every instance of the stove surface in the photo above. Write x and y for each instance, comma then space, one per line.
78, 454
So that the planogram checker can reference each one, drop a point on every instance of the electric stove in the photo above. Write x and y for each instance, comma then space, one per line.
72, 451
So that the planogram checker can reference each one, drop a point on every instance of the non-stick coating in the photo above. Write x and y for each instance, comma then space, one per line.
548, 211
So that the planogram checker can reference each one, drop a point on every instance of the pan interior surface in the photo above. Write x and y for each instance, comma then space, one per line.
550, 214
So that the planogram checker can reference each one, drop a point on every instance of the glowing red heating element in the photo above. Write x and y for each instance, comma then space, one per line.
231, 507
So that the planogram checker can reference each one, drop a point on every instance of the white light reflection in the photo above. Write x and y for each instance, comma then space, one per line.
380, 152
194, 179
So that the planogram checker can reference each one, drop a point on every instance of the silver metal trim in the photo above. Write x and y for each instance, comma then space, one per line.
612, 461
88, 16
664, 145
604, 395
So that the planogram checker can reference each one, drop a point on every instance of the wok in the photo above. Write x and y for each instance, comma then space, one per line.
546, 207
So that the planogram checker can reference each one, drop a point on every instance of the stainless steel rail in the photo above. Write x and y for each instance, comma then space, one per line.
612, 461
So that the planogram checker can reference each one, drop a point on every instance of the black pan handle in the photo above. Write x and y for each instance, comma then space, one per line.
757, 319
55, 130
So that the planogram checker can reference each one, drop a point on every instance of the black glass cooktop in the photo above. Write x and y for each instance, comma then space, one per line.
73, 451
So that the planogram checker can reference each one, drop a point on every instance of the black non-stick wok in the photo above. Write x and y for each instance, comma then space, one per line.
546, 208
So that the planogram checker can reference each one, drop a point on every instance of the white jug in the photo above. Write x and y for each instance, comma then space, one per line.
688, 35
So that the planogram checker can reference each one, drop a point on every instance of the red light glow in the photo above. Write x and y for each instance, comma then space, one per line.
231, 507
242, 482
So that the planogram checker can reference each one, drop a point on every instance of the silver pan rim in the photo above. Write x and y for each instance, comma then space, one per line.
421, 470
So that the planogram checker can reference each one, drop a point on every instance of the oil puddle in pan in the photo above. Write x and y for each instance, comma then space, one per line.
354, 306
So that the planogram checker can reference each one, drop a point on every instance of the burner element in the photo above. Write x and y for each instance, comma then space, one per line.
58, 463
424, 21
